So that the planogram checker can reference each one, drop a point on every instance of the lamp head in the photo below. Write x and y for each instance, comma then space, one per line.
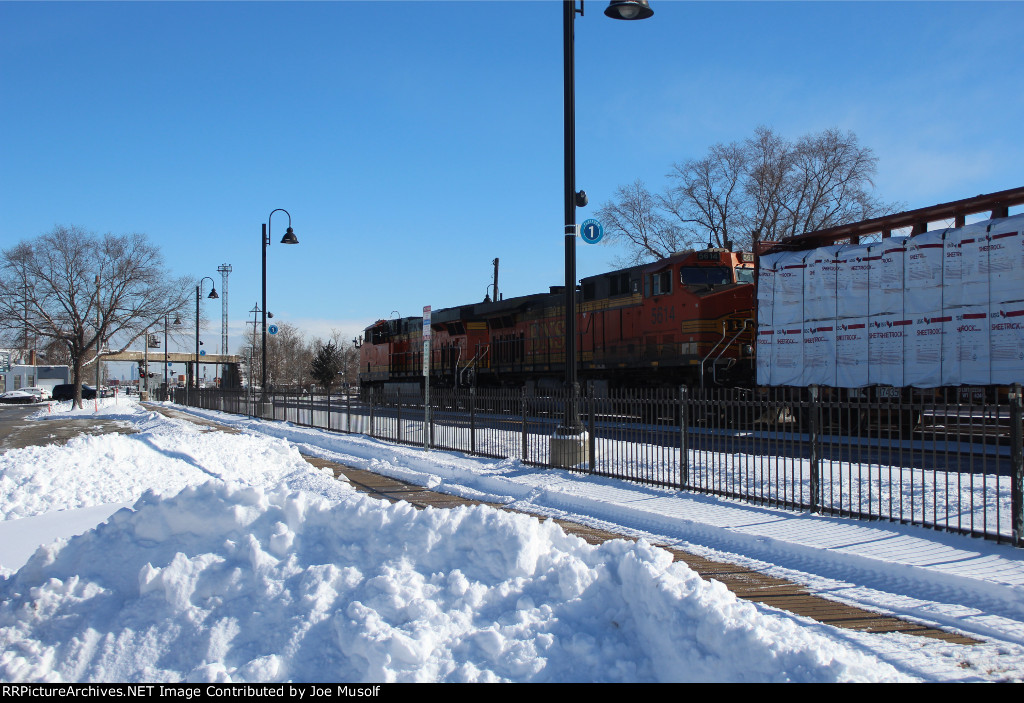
628, 10
289, 237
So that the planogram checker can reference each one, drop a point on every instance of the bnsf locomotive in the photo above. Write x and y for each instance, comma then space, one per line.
687, 319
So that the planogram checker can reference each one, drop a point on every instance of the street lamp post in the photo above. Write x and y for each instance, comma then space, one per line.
167, 380
213, 295
289, 238
568, 447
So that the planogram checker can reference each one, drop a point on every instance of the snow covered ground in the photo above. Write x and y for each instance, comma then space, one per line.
184, 554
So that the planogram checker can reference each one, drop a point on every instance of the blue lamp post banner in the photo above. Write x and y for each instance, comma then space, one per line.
591, 231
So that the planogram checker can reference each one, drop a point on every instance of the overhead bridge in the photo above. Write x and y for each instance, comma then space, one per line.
230, 377
172, 357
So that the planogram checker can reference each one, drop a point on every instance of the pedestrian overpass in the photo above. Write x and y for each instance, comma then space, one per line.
229, 374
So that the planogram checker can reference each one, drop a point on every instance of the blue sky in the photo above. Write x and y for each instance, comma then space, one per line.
414, 142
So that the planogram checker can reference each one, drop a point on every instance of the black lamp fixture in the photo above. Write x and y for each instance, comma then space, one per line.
628, 10
288, 238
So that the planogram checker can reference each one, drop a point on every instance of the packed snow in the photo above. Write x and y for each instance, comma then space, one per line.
180, 553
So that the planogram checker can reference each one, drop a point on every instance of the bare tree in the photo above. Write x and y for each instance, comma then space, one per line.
764, 188
289, 357
348, 354
83, 291
635, 216
709, 196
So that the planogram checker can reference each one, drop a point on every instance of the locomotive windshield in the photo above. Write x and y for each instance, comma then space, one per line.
704, 275
744, 274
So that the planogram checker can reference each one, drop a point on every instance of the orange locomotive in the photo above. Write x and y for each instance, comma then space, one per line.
687, 319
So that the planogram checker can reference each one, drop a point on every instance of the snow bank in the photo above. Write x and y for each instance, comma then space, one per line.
224, 582
164, 455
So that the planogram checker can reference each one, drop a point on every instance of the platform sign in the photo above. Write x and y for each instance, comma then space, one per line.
426, 341
272, 329
591, 231
202, 352
426, 377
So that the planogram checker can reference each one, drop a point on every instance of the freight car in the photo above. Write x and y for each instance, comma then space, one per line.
934, 314
686, 319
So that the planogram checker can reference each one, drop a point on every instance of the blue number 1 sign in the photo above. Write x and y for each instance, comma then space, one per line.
591, 231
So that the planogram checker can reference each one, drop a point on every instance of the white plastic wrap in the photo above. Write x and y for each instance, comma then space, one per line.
1006, 259
852, 353
968, 328
923, 350
1006, 340
852, 281
885, 349
820, 284
819, 354
787, 356
788, 304
942, 308
924, 259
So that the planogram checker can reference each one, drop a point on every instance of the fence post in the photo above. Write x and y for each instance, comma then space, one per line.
348, 411
373, 407
812, 429
591, 428
522, 409
472, 420
684, 443
398, 399
1017, 459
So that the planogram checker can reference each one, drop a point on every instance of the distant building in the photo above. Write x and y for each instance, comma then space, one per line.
14, 376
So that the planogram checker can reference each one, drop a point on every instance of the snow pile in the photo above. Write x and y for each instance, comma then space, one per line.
224, 582
165, 455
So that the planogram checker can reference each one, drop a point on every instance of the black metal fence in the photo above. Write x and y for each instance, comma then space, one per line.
950, 466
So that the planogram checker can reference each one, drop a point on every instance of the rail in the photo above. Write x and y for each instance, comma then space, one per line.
955, 467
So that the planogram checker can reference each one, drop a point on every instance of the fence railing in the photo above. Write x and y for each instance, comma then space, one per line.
949, 466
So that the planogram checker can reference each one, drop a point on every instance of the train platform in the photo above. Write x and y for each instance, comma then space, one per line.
746, 583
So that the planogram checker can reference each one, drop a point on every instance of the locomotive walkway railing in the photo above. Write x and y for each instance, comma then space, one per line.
949, 466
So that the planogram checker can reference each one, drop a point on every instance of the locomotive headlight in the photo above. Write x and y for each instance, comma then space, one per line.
748, 350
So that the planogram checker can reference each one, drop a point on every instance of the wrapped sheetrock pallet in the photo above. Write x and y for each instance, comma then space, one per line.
942, 308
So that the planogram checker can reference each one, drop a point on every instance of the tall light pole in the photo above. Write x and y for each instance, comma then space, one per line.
224, 270
289, 238
567, 446
213, 295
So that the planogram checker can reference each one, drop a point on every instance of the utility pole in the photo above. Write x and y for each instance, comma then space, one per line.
99, 339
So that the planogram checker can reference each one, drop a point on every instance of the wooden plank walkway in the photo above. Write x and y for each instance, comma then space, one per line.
745, 583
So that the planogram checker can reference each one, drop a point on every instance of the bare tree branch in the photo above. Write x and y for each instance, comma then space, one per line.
764, 188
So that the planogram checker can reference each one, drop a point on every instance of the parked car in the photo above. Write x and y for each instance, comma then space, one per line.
42, 391
66, 391
19, 396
